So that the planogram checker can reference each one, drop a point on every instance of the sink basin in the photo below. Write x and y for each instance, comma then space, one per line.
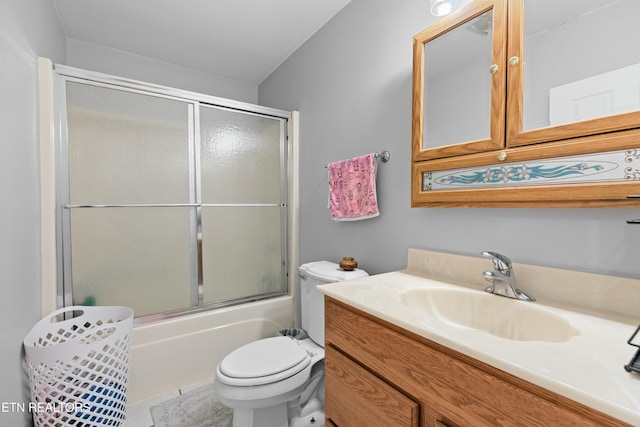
503, 317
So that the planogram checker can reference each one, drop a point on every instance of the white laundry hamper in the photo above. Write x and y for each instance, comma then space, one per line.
78, 368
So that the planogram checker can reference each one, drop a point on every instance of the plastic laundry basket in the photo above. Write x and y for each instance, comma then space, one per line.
78, 368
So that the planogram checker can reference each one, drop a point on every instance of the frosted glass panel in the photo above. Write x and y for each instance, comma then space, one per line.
240, 157
138, 257
130, 153
126, 147
241, 252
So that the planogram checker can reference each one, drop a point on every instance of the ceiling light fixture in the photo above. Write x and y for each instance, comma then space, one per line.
440, 7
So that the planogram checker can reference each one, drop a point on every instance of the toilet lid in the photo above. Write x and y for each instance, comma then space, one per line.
266, 357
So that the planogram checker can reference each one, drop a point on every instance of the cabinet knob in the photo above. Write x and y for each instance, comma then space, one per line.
502, 156
513, 61
493, 69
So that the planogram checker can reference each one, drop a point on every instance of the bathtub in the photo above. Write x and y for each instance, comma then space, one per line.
171, 354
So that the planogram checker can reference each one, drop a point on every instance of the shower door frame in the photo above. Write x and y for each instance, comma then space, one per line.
288, 187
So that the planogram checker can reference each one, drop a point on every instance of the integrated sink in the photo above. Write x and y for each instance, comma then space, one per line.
503, 317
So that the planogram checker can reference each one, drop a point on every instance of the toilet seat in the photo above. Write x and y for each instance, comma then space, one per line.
263, 362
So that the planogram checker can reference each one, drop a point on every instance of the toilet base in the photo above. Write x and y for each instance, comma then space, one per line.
315, 419
271, 416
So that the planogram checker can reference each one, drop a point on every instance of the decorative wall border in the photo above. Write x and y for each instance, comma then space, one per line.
610, 166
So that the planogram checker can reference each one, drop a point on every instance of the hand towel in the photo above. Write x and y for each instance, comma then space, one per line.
352, 188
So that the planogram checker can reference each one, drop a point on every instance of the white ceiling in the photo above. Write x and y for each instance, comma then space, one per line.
240, 39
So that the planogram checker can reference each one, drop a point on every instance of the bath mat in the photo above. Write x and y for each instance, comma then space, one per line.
197, 408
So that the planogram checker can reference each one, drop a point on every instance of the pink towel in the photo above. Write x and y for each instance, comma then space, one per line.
352, 188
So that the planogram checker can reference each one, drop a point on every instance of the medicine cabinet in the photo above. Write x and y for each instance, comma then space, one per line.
528, 103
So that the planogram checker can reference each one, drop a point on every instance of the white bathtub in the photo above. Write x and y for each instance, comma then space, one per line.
171, 354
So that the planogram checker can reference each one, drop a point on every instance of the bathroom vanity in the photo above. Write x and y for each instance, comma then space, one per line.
390, 361
381, 375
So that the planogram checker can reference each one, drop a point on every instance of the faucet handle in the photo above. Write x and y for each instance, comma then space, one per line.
500, 262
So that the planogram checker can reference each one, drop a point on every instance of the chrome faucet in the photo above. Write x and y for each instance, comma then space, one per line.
503, 278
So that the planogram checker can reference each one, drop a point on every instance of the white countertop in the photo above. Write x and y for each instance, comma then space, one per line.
588, 368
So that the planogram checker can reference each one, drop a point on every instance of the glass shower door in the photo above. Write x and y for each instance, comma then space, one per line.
243, 187
131, 194
169, 205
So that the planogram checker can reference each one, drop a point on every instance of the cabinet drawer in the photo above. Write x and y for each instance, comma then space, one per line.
355, 397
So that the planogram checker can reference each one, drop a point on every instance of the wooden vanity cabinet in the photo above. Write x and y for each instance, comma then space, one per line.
378, 374
357, 397
519, 124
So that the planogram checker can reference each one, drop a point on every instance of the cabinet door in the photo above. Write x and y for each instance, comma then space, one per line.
355, 397
574, 69
459, 83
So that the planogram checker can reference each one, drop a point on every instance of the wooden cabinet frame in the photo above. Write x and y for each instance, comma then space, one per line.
592, 195
498, 82
516, 136
508, 141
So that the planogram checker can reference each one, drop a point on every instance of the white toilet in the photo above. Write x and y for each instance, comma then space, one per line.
279, 381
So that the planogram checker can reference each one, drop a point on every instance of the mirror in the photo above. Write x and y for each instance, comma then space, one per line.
457, 84
576, 67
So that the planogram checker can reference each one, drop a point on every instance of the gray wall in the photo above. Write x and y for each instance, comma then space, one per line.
28, 29
351, 83
89, 56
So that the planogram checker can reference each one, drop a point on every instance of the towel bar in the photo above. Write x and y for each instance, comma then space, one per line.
383, 155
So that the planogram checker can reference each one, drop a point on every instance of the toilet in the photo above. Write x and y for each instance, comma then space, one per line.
279, 381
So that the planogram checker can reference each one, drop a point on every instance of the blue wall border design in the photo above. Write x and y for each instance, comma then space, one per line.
601, 167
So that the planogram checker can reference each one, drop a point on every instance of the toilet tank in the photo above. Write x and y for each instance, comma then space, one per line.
311, 275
